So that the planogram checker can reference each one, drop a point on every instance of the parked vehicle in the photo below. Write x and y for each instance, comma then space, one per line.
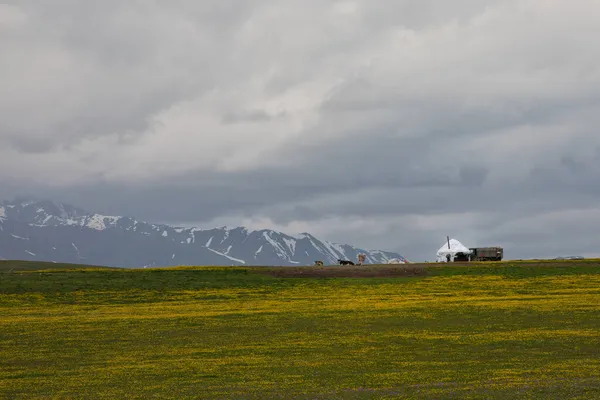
487, 253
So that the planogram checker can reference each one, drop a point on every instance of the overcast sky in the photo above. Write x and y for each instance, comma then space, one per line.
387, 125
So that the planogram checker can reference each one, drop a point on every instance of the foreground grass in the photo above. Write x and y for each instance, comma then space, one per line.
506, 330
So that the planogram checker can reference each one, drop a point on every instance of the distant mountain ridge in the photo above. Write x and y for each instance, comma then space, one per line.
43, 230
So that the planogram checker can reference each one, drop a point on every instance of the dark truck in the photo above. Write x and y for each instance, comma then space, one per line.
487, 253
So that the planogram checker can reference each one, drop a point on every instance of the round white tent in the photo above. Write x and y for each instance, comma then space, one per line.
454, 248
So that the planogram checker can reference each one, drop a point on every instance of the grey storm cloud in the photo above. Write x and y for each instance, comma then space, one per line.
382, 125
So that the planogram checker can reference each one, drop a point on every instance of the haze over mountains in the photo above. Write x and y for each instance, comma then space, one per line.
49, 231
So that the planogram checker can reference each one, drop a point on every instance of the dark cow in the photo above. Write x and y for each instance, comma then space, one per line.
345, 262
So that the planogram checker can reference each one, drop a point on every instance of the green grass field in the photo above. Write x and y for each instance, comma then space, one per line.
508, 330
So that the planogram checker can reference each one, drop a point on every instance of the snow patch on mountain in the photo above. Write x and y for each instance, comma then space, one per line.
291, 244
77, 250
226, 235
335, 252
229, 257
279, 250
100, 222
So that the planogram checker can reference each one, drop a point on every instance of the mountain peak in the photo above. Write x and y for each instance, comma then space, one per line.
43, 212
50, 207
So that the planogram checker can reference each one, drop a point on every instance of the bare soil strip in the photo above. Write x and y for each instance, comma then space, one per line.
384, 271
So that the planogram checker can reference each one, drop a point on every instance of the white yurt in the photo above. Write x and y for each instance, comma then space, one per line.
451, 248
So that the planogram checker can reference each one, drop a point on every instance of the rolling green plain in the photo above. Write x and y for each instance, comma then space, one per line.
507, 330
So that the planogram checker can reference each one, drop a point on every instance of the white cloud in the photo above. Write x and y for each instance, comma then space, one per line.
170, 76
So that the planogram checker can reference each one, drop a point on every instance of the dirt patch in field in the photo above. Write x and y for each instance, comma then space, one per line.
346, 271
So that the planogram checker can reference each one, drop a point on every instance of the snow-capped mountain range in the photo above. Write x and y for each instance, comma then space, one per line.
49, 231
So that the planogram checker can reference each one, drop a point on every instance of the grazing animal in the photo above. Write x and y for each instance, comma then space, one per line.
345, 262
361, 259
319, 263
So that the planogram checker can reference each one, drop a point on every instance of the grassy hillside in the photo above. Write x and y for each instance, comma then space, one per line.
488, 330
8, 266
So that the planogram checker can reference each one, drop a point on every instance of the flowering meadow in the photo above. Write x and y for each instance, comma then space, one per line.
489, 330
